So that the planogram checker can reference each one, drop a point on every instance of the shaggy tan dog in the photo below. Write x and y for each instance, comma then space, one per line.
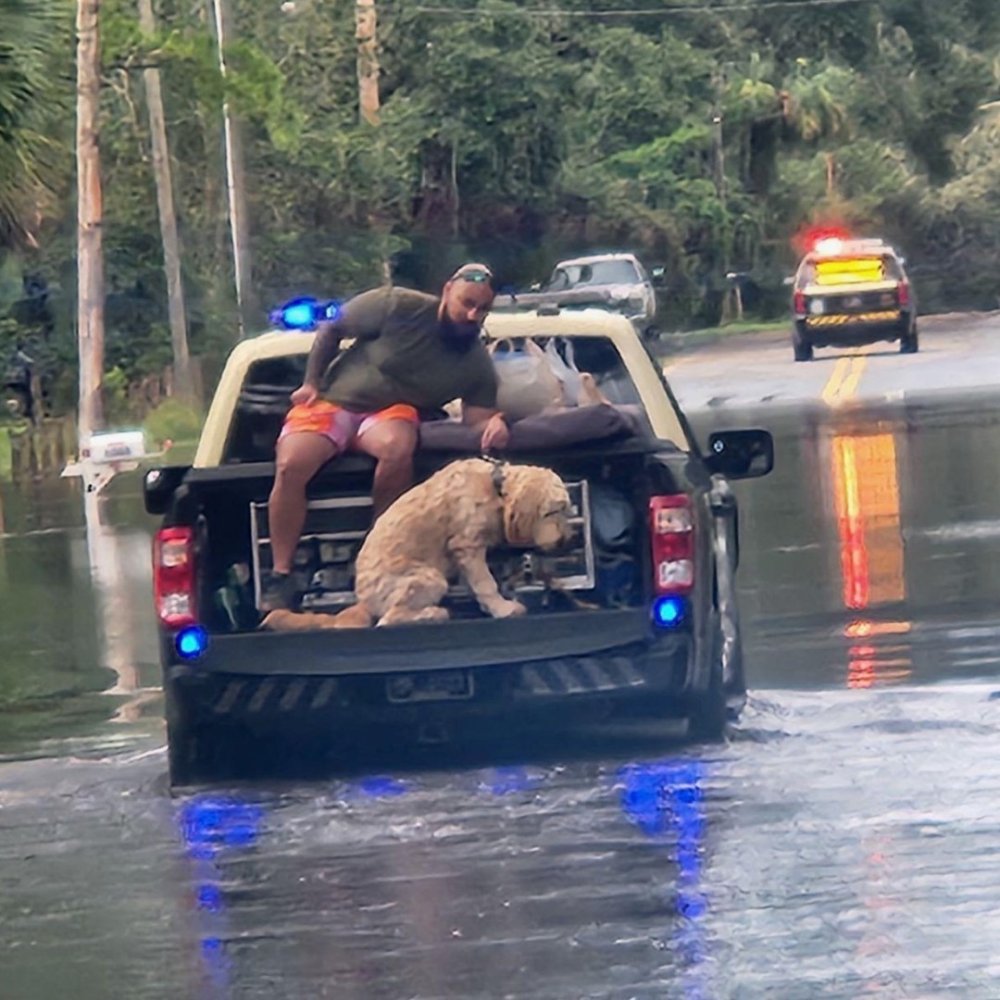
442, 528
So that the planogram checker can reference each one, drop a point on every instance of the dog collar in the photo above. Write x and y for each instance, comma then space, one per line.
498, 473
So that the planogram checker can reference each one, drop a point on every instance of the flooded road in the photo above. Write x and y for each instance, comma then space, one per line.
843, 843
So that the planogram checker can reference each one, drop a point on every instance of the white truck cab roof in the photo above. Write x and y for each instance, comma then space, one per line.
661, 411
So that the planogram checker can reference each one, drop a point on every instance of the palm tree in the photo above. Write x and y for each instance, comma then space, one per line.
33, 33
818, 113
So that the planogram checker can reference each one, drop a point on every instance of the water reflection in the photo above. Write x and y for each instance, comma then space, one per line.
213, 829
864, 472
116, 560
665, 800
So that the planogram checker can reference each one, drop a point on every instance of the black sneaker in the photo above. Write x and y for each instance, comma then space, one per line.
278, 592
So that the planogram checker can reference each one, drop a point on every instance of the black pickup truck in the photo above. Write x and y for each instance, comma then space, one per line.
636, 620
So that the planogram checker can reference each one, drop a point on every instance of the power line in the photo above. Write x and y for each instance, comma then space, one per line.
665, 11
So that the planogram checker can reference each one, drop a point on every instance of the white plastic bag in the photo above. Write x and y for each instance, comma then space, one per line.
526, 383
566, 371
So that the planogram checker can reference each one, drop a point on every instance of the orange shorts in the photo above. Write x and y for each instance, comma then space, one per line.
342, 427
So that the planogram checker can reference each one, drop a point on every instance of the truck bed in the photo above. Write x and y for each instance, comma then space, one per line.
230, 504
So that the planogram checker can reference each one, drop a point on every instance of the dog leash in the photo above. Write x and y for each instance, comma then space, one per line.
498, 470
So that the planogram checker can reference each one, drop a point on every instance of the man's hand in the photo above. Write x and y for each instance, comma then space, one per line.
305, 395
496, 434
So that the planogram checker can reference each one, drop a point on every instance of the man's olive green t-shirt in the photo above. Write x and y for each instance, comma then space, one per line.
400, 356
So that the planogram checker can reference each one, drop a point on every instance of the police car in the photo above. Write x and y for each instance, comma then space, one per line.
848, 292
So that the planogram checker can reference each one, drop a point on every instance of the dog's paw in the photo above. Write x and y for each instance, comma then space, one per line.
508, 609
279, 620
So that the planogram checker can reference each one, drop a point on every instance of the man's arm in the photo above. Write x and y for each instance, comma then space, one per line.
360, 319
478, 416
324, 350
490, 422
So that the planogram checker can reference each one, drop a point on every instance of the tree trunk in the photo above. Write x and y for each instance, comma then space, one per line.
168, 217
246, 299
90, 252
365, 20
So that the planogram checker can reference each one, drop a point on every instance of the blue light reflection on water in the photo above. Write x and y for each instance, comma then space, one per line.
665, 800
378, 786
662, 799
213, 827
509, 780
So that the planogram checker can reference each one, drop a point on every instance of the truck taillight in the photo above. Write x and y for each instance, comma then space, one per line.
903, 291
174, 577
799, 303
671, 532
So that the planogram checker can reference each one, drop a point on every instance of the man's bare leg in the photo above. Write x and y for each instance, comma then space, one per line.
298, 458
391, 443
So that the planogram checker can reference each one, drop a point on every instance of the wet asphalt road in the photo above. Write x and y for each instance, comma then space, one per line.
845, 842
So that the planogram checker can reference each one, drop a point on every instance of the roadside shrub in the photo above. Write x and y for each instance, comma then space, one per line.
115, 397
173, 420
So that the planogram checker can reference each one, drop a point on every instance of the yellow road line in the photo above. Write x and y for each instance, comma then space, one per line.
836, 379
845, 377
850, 384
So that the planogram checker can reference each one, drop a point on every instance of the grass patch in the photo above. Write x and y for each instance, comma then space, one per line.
736, 327
6, 454
173, 421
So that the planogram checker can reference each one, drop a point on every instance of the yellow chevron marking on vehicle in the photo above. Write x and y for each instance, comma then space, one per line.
886, 316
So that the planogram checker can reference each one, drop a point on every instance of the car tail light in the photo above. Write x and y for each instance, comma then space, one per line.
904, 294
174, 577
799, 302
671, 530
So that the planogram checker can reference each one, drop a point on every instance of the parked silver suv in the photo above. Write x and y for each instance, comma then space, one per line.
615, 281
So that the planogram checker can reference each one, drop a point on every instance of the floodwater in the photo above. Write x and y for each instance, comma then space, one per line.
843, 843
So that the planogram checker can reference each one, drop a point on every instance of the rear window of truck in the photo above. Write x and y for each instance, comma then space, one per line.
263, 400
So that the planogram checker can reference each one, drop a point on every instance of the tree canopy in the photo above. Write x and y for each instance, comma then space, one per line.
703, 138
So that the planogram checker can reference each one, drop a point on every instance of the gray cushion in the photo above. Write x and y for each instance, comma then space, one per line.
556, 429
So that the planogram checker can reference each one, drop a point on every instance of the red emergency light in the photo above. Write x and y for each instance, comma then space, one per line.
822, 239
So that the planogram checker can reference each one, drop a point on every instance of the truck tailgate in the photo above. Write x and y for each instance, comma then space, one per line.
447, 645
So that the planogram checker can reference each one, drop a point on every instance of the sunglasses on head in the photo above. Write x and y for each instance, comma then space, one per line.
477, 275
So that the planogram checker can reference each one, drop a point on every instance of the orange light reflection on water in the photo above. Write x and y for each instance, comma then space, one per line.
867, 508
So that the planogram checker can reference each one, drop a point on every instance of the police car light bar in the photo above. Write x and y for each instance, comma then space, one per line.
304, 314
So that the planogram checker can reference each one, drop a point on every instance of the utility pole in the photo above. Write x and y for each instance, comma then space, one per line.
182, 384
90, 251
719, 172
718, 148
246, 300
365, 23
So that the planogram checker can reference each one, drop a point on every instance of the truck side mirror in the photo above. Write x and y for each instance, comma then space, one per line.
741, 454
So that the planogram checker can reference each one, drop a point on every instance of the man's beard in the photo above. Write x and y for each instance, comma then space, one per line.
459, 336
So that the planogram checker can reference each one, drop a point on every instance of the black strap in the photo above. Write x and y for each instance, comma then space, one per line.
498, 473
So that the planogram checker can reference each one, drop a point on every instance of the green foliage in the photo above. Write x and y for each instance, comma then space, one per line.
703, 141
115, 397
173, 421
34, 100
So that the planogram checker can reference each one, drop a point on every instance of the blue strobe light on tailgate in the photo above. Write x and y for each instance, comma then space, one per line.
191, 642
668, 612
304, 314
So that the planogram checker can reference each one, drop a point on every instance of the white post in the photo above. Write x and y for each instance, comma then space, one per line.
90, 216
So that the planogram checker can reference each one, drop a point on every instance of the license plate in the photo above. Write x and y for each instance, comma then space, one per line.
436, 685
852, 302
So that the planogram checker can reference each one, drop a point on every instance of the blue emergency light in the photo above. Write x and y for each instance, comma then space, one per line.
668, 612
191, 642
305, 313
